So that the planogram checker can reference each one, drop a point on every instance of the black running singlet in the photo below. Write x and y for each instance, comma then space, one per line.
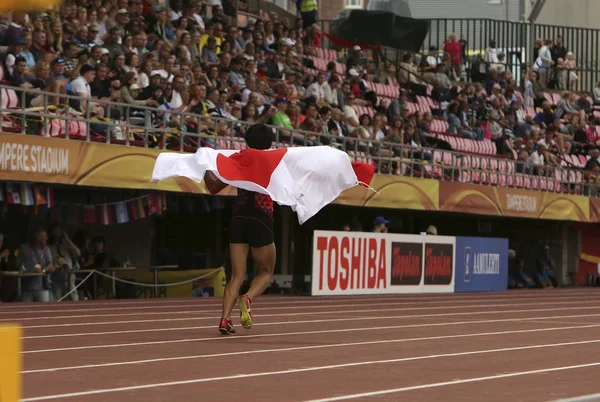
253, 204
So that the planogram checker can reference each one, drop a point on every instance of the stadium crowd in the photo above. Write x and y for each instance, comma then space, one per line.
191, 56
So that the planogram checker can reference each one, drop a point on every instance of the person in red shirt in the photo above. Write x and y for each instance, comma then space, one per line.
454, 50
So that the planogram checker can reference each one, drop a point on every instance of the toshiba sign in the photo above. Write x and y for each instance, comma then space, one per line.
347, 263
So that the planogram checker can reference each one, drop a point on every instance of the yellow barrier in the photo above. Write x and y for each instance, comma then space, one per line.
10, 362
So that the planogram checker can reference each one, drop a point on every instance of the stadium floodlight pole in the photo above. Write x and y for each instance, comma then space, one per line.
536, 8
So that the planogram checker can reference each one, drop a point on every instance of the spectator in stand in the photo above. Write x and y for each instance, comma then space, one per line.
81, 87
14, 50
558, 50
454, 50
491, 54
544, 62
455, 125
354, 60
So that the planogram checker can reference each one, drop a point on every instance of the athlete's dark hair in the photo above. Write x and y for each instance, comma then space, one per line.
259, 136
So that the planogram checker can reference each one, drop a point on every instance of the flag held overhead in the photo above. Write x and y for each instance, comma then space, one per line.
304, 178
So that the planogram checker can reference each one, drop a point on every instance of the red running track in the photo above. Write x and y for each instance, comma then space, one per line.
513, 346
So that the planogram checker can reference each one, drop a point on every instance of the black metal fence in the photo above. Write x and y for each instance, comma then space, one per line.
514, 39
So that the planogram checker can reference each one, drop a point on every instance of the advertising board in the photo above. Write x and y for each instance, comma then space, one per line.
481, 264
353, 263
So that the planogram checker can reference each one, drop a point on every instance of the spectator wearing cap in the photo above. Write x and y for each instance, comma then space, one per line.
380, 225
120, 21
14, 50
282, 119
153, 83
354, 60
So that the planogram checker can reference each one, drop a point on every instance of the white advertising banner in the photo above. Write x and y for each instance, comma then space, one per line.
357, 263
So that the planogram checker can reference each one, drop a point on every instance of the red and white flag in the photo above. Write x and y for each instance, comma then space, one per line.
303, 178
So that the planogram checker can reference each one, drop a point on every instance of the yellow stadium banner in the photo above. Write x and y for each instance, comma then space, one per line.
53, 160
11, 363
503, 201
395, 192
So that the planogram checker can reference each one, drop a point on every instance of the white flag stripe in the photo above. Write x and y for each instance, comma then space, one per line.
306, 179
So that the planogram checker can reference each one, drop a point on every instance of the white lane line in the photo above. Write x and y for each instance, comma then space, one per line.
581, 398
291, 349
343, 365
383, 318
415, 316
455, 382
343, 307
319, 332
268, 299
312, 303
271, 300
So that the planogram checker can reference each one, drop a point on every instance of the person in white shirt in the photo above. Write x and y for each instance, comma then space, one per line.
330, 90
491, 53
316, 89
536, 159
81, 86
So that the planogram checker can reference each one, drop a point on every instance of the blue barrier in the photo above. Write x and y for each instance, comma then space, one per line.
481, 264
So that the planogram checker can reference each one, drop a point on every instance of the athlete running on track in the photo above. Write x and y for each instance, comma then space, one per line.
251, 230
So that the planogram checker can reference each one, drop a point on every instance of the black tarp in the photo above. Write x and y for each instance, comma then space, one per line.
398, 7
368, 27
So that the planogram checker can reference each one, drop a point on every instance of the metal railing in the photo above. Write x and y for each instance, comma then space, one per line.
157, 129
514, 39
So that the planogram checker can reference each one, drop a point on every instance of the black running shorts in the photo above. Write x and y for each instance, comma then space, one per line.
254, 231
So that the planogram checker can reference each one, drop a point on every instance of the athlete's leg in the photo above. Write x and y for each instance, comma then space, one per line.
239, 255
264, 257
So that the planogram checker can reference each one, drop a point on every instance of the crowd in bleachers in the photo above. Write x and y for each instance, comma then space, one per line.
191, 62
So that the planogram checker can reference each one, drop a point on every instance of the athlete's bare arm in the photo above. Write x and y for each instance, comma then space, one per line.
213, 184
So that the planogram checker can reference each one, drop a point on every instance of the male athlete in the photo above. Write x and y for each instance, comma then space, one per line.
251, 230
